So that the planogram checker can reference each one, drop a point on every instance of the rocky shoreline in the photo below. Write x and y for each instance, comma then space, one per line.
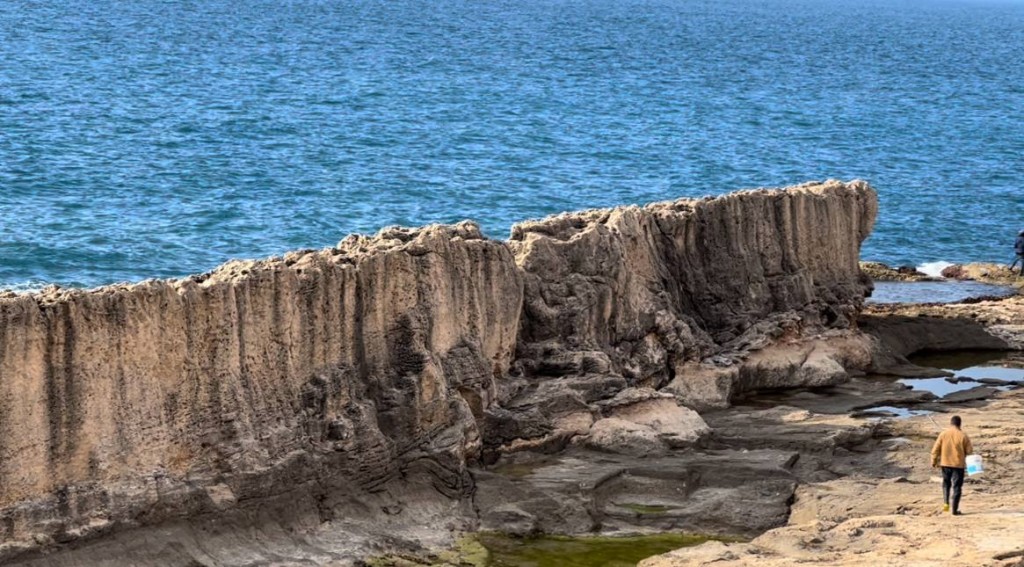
831, 464
605, 372
847, 485
826, 476
885, 509
985, 272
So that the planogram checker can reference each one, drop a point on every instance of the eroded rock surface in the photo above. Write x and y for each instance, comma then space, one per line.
663, 285
724, 492
687, 294
335, 373
360, 381
886, 507
989, 324
985, 272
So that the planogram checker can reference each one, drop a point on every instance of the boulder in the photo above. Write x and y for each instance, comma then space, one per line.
702, 386
624, 437
676, 425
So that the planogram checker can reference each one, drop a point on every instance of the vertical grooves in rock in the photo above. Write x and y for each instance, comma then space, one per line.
363, 363
723, 263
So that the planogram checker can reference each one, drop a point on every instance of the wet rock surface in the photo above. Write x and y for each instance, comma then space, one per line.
723, 492
853, 451
991, 324
880, 272
885, 509
739, 480
794, 459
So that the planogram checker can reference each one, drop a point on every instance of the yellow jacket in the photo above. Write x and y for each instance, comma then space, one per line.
951, 449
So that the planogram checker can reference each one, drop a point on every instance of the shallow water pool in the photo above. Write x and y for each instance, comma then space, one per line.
974, 365
949, 291
938, 386
598, 551
881, 412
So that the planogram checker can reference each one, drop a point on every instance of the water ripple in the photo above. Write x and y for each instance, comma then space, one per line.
158, 138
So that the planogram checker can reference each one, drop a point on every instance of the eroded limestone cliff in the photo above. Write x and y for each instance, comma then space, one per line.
683, 292
131, 404
662, 283
342, 377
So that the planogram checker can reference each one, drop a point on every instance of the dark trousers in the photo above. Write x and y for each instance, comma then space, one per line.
952, 478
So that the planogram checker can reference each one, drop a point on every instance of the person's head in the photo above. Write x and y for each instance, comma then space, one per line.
955, 421
1021, 233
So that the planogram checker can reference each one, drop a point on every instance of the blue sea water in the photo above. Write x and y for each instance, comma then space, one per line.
156, 138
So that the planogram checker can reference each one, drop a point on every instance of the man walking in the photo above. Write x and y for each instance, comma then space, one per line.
950, 452
1018, 248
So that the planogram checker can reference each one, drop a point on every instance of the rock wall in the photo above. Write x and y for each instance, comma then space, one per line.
391, 362
657, 286
128, 404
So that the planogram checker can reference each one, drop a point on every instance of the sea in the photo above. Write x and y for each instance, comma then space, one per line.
159, 138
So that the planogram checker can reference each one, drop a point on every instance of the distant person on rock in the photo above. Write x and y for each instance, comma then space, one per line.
1018, 247
950, 452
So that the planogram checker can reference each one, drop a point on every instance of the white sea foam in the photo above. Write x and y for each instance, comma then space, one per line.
934, 269
30, 286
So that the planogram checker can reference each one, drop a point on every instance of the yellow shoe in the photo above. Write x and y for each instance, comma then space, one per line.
945, 507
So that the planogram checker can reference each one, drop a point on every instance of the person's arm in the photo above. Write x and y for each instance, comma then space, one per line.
937, 451
968, 448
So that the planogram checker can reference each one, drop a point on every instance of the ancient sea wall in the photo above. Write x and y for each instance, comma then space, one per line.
384, 361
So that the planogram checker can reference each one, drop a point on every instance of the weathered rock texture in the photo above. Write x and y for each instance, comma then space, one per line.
684, 291
366, 362
985, 272
660, 285
904, 329
341, 378
883, 504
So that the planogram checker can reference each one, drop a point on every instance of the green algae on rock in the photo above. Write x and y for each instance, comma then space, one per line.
466, 552
595, 551
499, 550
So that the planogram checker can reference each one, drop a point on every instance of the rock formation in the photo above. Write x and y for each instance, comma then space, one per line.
887, 509
878, 271
682, 292
985, 272
658, 286
133, 404
343, 377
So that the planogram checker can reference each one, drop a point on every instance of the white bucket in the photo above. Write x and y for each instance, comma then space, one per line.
974, 465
